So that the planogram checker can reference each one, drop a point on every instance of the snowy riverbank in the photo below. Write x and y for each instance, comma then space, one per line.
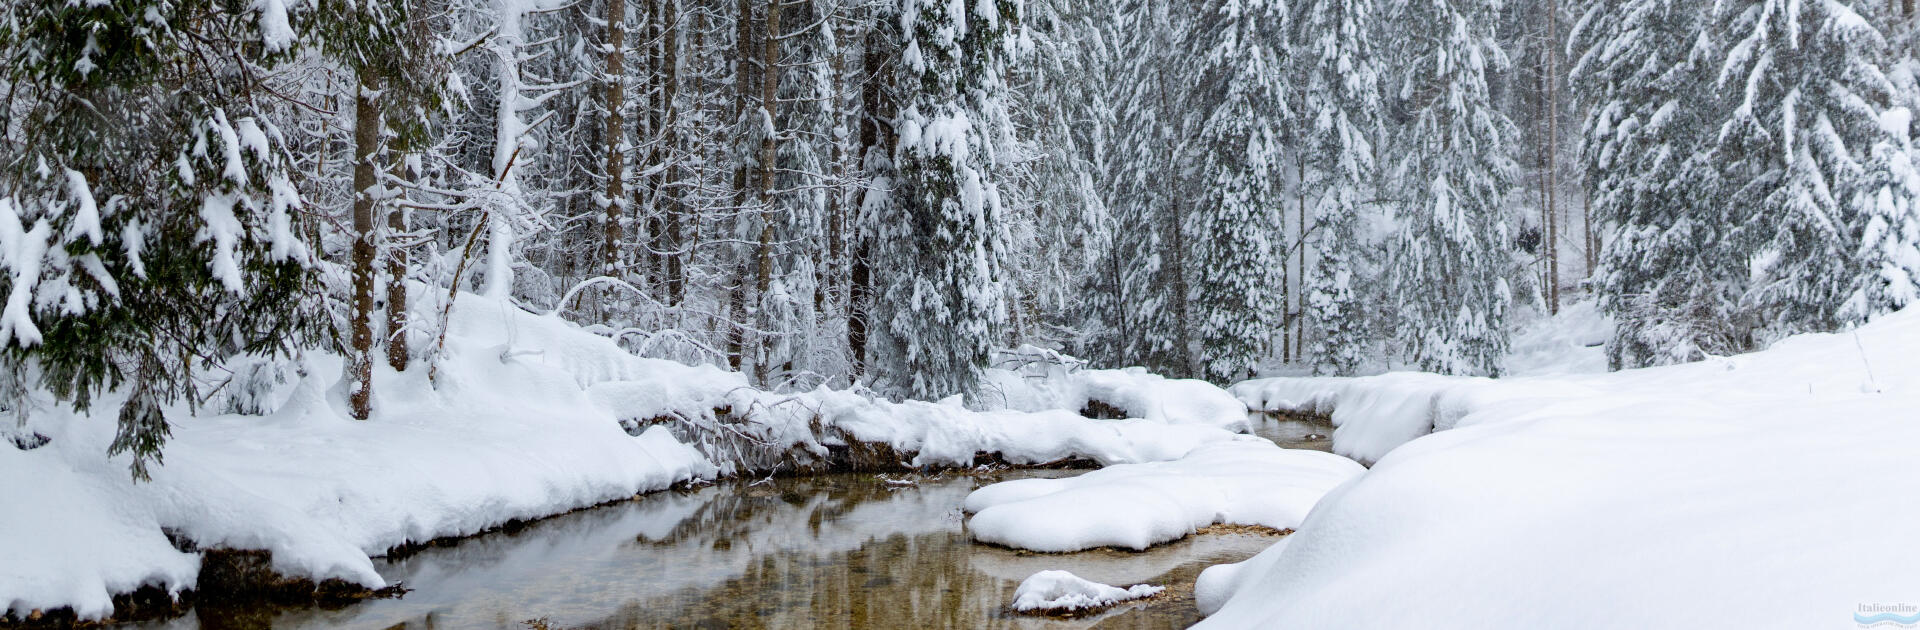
1768, 490
525, 421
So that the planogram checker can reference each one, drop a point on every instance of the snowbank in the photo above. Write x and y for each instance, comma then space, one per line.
1769, 490
1244, 482
1572, 341
1220, 582
1060, 591
504, 437
1035, 379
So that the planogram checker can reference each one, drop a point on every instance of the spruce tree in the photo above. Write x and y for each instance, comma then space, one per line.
1453, 175
1137, 315
940, 241
1237, 227
1667, 274
1820, 201
1341, 112
145, 209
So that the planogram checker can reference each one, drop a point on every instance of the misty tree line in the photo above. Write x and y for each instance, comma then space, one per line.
882, 192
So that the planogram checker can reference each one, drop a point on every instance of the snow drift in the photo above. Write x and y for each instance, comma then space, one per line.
1768, 490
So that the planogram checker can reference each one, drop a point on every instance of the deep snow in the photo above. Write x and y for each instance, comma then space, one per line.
1768, 490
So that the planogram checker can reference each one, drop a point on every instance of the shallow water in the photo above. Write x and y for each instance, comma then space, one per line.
842, 551
1293, 432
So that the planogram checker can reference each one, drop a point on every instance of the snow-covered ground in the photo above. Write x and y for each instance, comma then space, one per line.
1135, 506
1062, 591
524, 421
1768, 490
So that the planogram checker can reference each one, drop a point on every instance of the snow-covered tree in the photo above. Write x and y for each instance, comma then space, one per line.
1453, 175
1668, 274
941, 244
1811, 150
147, 219
1137, 312
1236, 227
1341, 115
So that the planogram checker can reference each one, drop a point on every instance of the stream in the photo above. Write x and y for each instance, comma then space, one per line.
842, 551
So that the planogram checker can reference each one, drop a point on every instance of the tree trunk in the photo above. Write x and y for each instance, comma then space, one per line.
876, 143
616, 163
647, 190
398, 354
366, 142
669, 148
1552, 227
1177, 259
769, 163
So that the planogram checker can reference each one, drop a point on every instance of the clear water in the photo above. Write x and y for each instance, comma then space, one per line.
839, 551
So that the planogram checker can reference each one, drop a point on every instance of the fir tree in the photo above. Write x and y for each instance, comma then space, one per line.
146, 215
1342, 113
1237, 226
1821, 198
1667, 275
941, 245
1453, 175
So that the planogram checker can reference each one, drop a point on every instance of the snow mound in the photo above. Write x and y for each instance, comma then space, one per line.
1688, 493
1221, 582
1062, 591
507, 434
1135, 506
1035, 379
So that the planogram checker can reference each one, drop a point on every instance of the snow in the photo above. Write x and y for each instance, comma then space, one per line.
224, 229
1678, 496
21, 250
501, 439
1064, 591
1220, 582
1572, 341
1249, 481
523, 420
1043, 379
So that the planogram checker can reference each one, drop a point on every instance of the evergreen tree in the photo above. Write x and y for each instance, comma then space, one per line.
146, 215
941, 244
1237, 227
1821, 199
1137, 313
1668, 275
1454, 175
1342, 114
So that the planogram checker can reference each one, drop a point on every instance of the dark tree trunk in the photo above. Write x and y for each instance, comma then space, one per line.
366, 142
616, 162
398, 354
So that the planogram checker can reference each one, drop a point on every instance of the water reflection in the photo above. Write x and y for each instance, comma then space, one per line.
845, 551
1292, 431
